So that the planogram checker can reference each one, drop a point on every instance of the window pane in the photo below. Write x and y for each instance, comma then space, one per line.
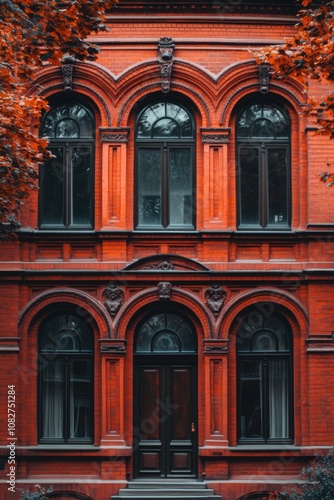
80, 399
278, 399
149, 187
67, 128
251, 399
166, 341
277, 185
52, 194
52, 398
249, 185
166, 128
180, 181
81, 185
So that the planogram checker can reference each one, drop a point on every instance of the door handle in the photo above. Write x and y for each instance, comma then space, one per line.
193, 427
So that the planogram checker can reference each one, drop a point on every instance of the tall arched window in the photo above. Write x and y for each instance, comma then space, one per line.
264, 379
263, 160
165, 168
65, 380
66, 180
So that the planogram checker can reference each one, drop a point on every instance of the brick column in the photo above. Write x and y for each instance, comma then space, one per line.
216, 396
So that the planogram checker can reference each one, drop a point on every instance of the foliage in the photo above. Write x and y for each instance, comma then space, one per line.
317, 481
40, 493
35, 33
309, 55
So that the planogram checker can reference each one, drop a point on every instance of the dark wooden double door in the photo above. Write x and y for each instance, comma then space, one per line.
165, 417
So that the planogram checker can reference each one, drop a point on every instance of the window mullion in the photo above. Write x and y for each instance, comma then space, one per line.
66, 378
165, 188
67, 185
263, 188
265, 409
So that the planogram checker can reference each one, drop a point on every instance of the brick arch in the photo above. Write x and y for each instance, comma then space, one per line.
187, 80
133, 310
242, 79
87, 306
90, 81
274, 297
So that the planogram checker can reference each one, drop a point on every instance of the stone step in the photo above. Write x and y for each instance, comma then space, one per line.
172, 492
180, 484
166, 490
168, 496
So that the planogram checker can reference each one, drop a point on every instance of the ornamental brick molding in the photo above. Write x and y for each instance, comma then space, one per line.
215, 297
114, 298
164, 290
166, 48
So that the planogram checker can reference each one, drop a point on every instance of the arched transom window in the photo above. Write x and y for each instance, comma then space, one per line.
165, 333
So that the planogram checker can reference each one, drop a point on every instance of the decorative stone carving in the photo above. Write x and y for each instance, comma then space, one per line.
67, 72
215, 298
264, 74
114, 134
215, 349
161, 266
215, 135
166, 47
164, 290
112, 348
114, 298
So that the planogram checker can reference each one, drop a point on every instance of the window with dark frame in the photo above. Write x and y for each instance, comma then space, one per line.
165, 168
65, 381
263, 166
264, 356
66, 179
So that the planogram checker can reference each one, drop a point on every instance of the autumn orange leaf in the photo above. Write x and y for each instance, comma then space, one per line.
33, 33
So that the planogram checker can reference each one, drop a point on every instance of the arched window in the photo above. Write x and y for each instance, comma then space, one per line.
66, 380
263, 161
264, 379
165, 168
165, 333
66, 179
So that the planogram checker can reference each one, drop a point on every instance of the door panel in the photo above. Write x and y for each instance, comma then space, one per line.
165, 417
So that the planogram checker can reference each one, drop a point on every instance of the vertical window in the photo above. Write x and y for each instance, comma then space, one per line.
66, 381
264, 379
263, 158
66, 180
165, 168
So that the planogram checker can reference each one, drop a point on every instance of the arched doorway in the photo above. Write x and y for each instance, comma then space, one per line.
165, 397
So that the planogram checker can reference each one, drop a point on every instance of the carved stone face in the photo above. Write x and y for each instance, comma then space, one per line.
166, 53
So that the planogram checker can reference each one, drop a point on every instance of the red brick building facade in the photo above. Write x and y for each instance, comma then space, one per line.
167, 310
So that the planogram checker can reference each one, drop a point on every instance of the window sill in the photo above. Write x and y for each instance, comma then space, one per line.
62, 447
265, 447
